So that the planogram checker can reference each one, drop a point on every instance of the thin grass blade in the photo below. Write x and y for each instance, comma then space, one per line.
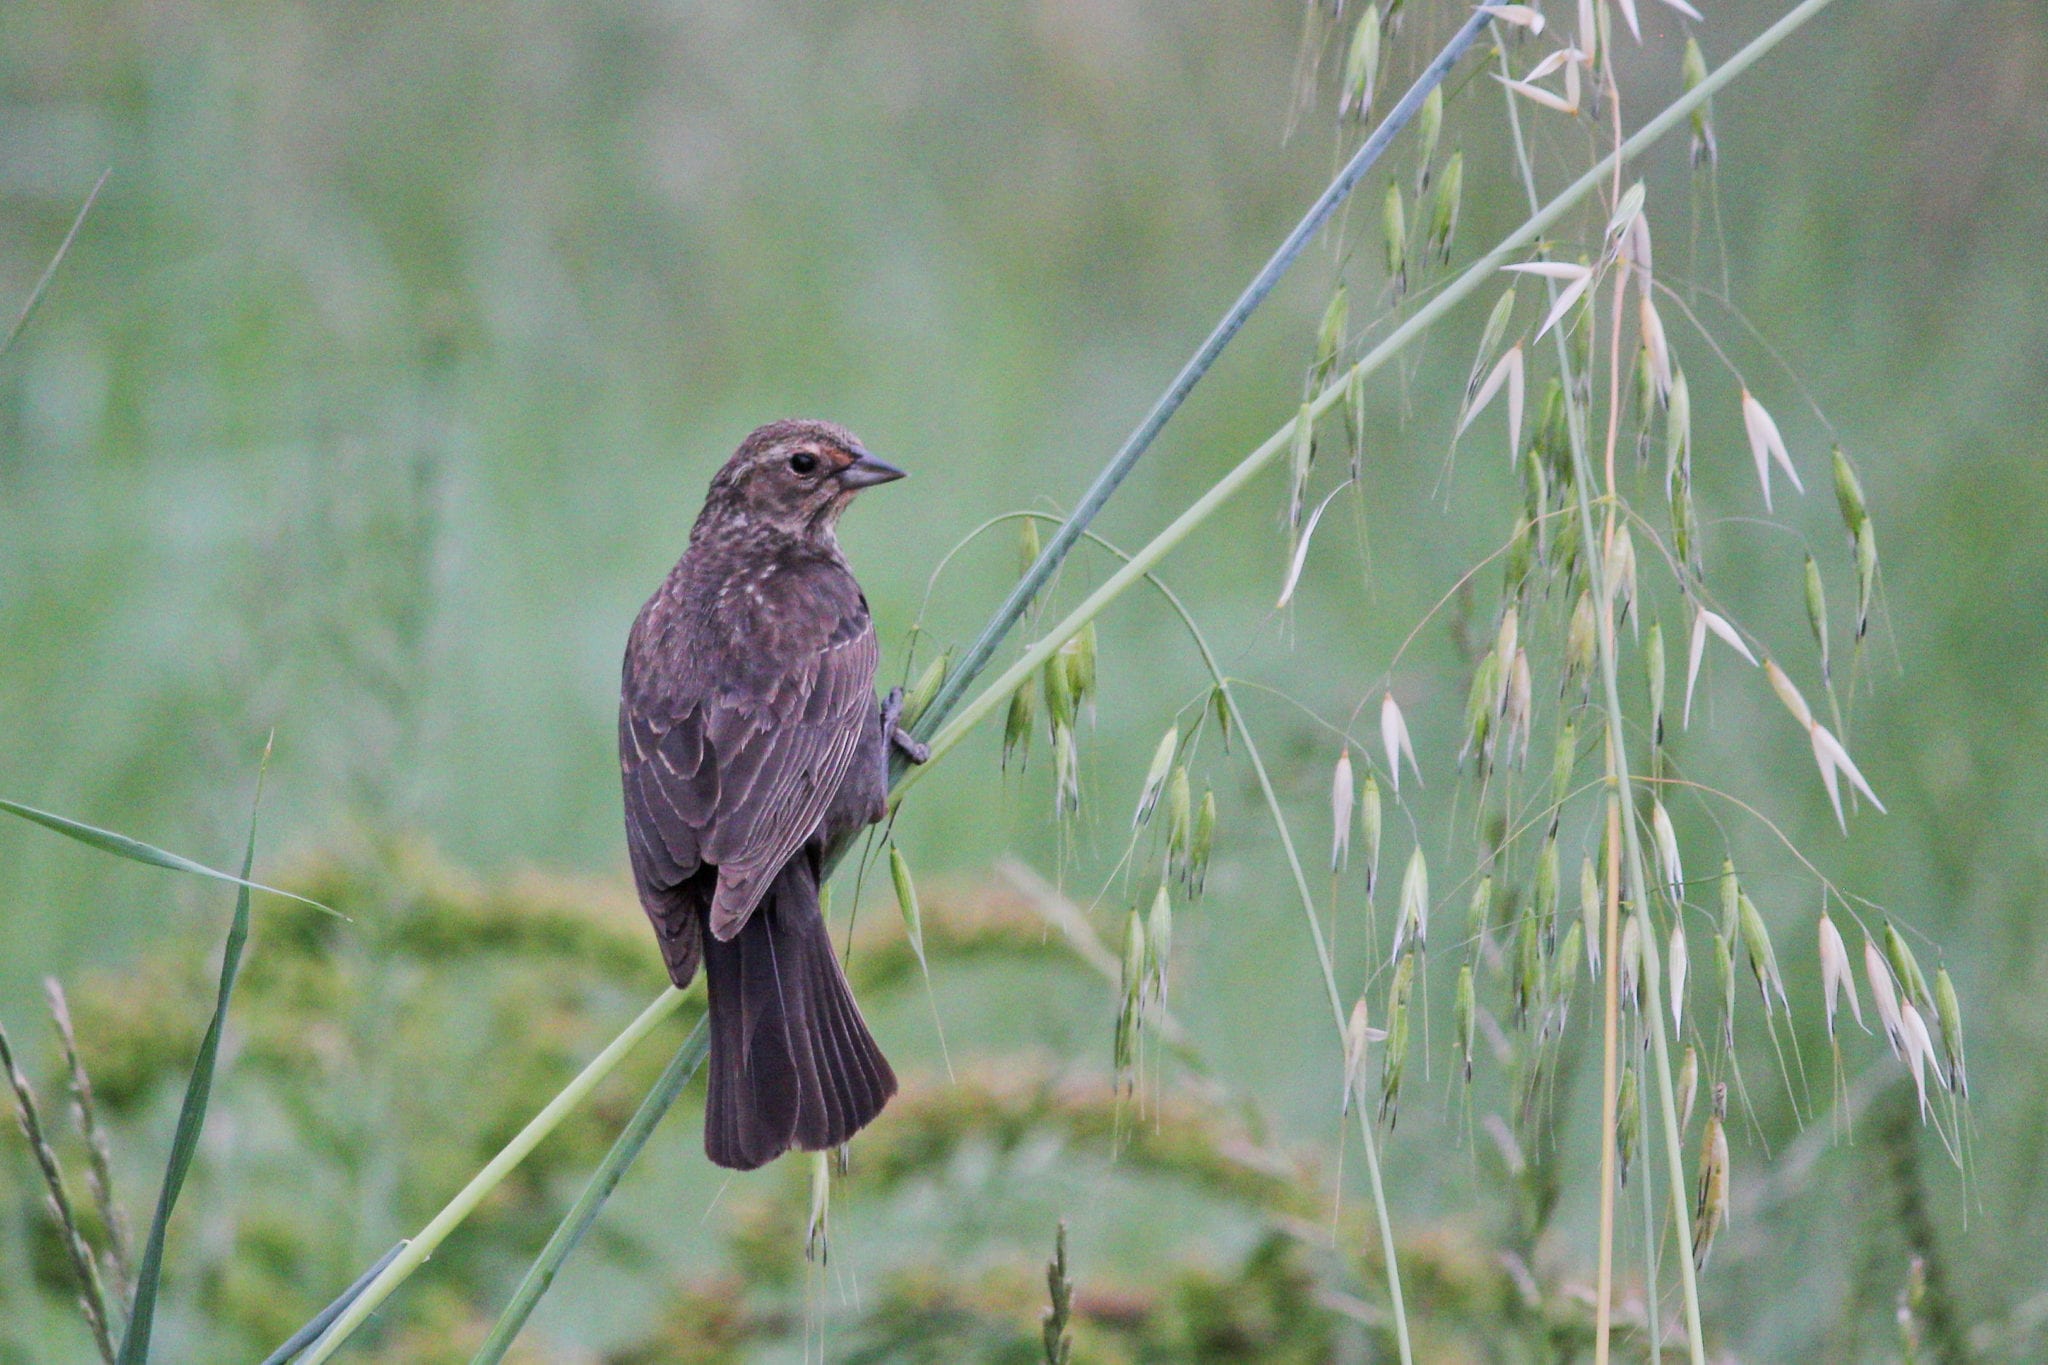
191, 1114
301, 1339
121, 846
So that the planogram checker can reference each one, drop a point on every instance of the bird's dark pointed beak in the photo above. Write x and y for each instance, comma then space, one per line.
866, 471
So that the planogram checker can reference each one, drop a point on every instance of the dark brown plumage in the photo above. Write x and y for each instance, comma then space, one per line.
751, 744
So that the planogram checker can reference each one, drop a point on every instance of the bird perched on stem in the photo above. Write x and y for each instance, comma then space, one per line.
750, 747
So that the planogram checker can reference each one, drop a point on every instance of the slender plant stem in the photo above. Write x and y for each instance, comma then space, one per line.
463, 1204
1610, 1024
299, 1340
591, 1201
1120, 465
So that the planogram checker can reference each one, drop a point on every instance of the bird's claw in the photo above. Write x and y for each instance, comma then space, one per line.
892, 711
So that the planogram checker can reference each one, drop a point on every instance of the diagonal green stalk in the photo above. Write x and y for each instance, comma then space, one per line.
299, 1340
191, 1113
576, 1222
494, 1172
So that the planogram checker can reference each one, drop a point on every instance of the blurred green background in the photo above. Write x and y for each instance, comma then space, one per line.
381, 386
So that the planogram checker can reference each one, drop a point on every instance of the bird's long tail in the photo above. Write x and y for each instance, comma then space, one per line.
792, 1062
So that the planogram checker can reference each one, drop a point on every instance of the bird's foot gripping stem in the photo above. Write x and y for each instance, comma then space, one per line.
892, 711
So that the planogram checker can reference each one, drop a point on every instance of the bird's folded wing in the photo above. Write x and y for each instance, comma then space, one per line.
740, 777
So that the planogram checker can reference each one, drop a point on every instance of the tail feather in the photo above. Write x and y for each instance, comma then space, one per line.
792, 1062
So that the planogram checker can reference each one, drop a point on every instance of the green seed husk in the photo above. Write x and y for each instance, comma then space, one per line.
1849, 494
1950, 1012
1394, 229
1155, 775
1017, 724
1763, 958
1653, 668
1397, 1040
1817, 613
1466, 1013
1866, 574
1907, 968
1628, 1126
1369, 826
906, 901
1592, 912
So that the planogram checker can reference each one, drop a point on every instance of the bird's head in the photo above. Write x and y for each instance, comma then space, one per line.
793, 476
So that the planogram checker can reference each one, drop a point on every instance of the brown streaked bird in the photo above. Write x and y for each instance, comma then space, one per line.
750, 745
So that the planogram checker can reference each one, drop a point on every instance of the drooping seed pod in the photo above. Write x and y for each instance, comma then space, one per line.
1179, 812
1631, 964
1394, 735
1710, 1211
1543, 900
1919, 1053
1835, 973
1677, 960
1397, 1041
1066, 772
1159, 944
1412, 929
1394, 230
1653, 669
1628, 1126
1480, 709
1581, 640
1912, 981
1059, 693
1479, 911
1667, 853
1849, 494
1866, 574
1763, 958
1621, 572
1817, 613
1369, 825
1358, 1034
1429, 129
1130, 1017
1688, 1085
1219, 703
1564, 976
1155, 775
1028, 548
906, 901
817, 1241
1677, 434
1724, 977
1490, 338
1017, 725
1693, 67
1445, 208
1361, 66
1563, 758
1343, 794
1731, 901
1079, 654
1949, 1011
1884, 996
1331, 336
1466, 1014
1519, 717
1195, 872
1529, 970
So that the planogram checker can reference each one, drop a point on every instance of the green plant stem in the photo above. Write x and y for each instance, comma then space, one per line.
1456, 291
463, 1204
576, 1222
298, 1340
1120, 465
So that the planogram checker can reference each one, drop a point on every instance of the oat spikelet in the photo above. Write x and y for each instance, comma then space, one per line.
1836, 975
1394, 735
1155, 776
1710, 1212
1343, 793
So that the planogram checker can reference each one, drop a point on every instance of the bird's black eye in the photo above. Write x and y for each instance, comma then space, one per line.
803, 462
